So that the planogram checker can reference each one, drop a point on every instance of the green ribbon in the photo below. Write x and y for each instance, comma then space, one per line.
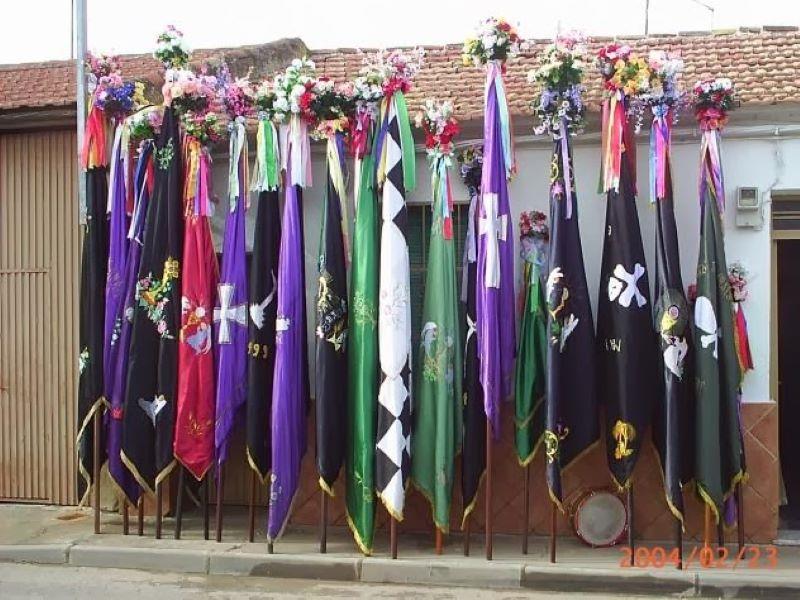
406, 142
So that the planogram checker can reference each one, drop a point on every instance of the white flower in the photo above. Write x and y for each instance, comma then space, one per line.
297, 63
489, 40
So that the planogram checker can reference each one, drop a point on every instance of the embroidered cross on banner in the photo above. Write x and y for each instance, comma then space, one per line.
225, 313
493, 226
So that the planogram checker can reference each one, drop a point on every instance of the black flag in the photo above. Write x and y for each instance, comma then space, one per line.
672, 432
625, 326
148, 418
331, 330
261, 340
94, 264
571, 381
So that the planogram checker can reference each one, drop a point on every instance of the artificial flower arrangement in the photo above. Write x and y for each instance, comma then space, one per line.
187, 91
440, 127
737, 277
145, 123
333, 105
663, 94
110, 93
713, 99
470, 160
494, 39
533, 235
171, 49
622, 70
391, 70
294, 91
204, 126
558, 101
238, 95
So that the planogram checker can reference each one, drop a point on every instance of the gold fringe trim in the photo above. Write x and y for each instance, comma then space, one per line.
185, 466
471, 506
135, 472
673, 509
365, 550
165, 472
394, 514
326, 488
444, 529
524, 422
264, 477
87, 477
524, 462
739, 477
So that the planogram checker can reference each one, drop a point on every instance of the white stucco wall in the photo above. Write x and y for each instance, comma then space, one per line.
750, 158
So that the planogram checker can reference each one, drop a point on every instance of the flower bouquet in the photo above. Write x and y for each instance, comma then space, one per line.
737, 277
392, 70
622, 70
470, 161
294, 91
238, 95
713, 99
205, 127
495, 39
189, 92
171, 49
533, 235
558, 103
333, 105
110, 93
145, 123
440, 126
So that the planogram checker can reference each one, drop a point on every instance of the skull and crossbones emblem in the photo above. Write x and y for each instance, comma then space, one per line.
624, 287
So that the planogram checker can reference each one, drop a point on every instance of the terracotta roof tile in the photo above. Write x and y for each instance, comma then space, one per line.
763, 62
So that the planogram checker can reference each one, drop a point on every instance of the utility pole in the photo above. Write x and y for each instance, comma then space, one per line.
79, 45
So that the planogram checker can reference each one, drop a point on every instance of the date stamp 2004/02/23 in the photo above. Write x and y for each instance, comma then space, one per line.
705, 557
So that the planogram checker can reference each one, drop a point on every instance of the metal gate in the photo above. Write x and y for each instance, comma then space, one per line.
39, 251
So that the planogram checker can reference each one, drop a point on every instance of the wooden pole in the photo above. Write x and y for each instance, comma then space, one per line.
270, 548
488, 489
323, 522
439, 540
679, 542
721, 536
220, 497
96, 468
251, 524
527, 518
159, 510
393, 537
740, 516
467, 527
140, 515
631, 538
179, 502
553, 527
204, 502
707, 527
126, 524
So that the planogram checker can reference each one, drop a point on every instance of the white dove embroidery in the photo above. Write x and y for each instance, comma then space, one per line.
257, 310
152, 407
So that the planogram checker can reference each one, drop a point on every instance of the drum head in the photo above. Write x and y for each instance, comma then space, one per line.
600, 519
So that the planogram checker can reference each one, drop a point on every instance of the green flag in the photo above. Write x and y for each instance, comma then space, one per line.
718, 458
530, 376
437, 411
362, 361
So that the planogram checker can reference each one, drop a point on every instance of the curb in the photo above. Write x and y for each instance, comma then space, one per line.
440, 572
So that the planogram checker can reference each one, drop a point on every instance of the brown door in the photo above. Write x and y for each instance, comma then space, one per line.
39, 246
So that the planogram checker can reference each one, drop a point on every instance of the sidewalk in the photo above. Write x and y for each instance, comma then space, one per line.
63, 535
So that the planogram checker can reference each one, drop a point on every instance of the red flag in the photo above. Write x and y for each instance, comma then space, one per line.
194, 425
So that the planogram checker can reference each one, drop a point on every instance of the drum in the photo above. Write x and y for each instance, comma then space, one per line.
600, 518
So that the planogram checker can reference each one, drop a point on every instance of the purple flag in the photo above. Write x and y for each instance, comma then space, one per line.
495, 278
290, 385
230, 312
133, 239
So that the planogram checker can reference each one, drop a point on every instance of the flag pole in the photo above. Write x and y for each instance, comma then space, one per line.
679, 543
488, 489
126, 525
553, 525
251, 524
467, 527
159, 511
707, 527
140, 515
323, 522
439, 539
204, 502
740, 516
393, 536
720, 536
179, 502
527, 518
631, 538
96, 469
220, 496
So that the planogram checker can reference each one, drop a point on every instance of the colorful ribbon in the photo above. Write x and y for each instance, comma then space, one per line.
266, 169
334, 152
494, 74
93, 153
295, 151
711, 168
613, 125
398, 100
238, 162
660, 140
